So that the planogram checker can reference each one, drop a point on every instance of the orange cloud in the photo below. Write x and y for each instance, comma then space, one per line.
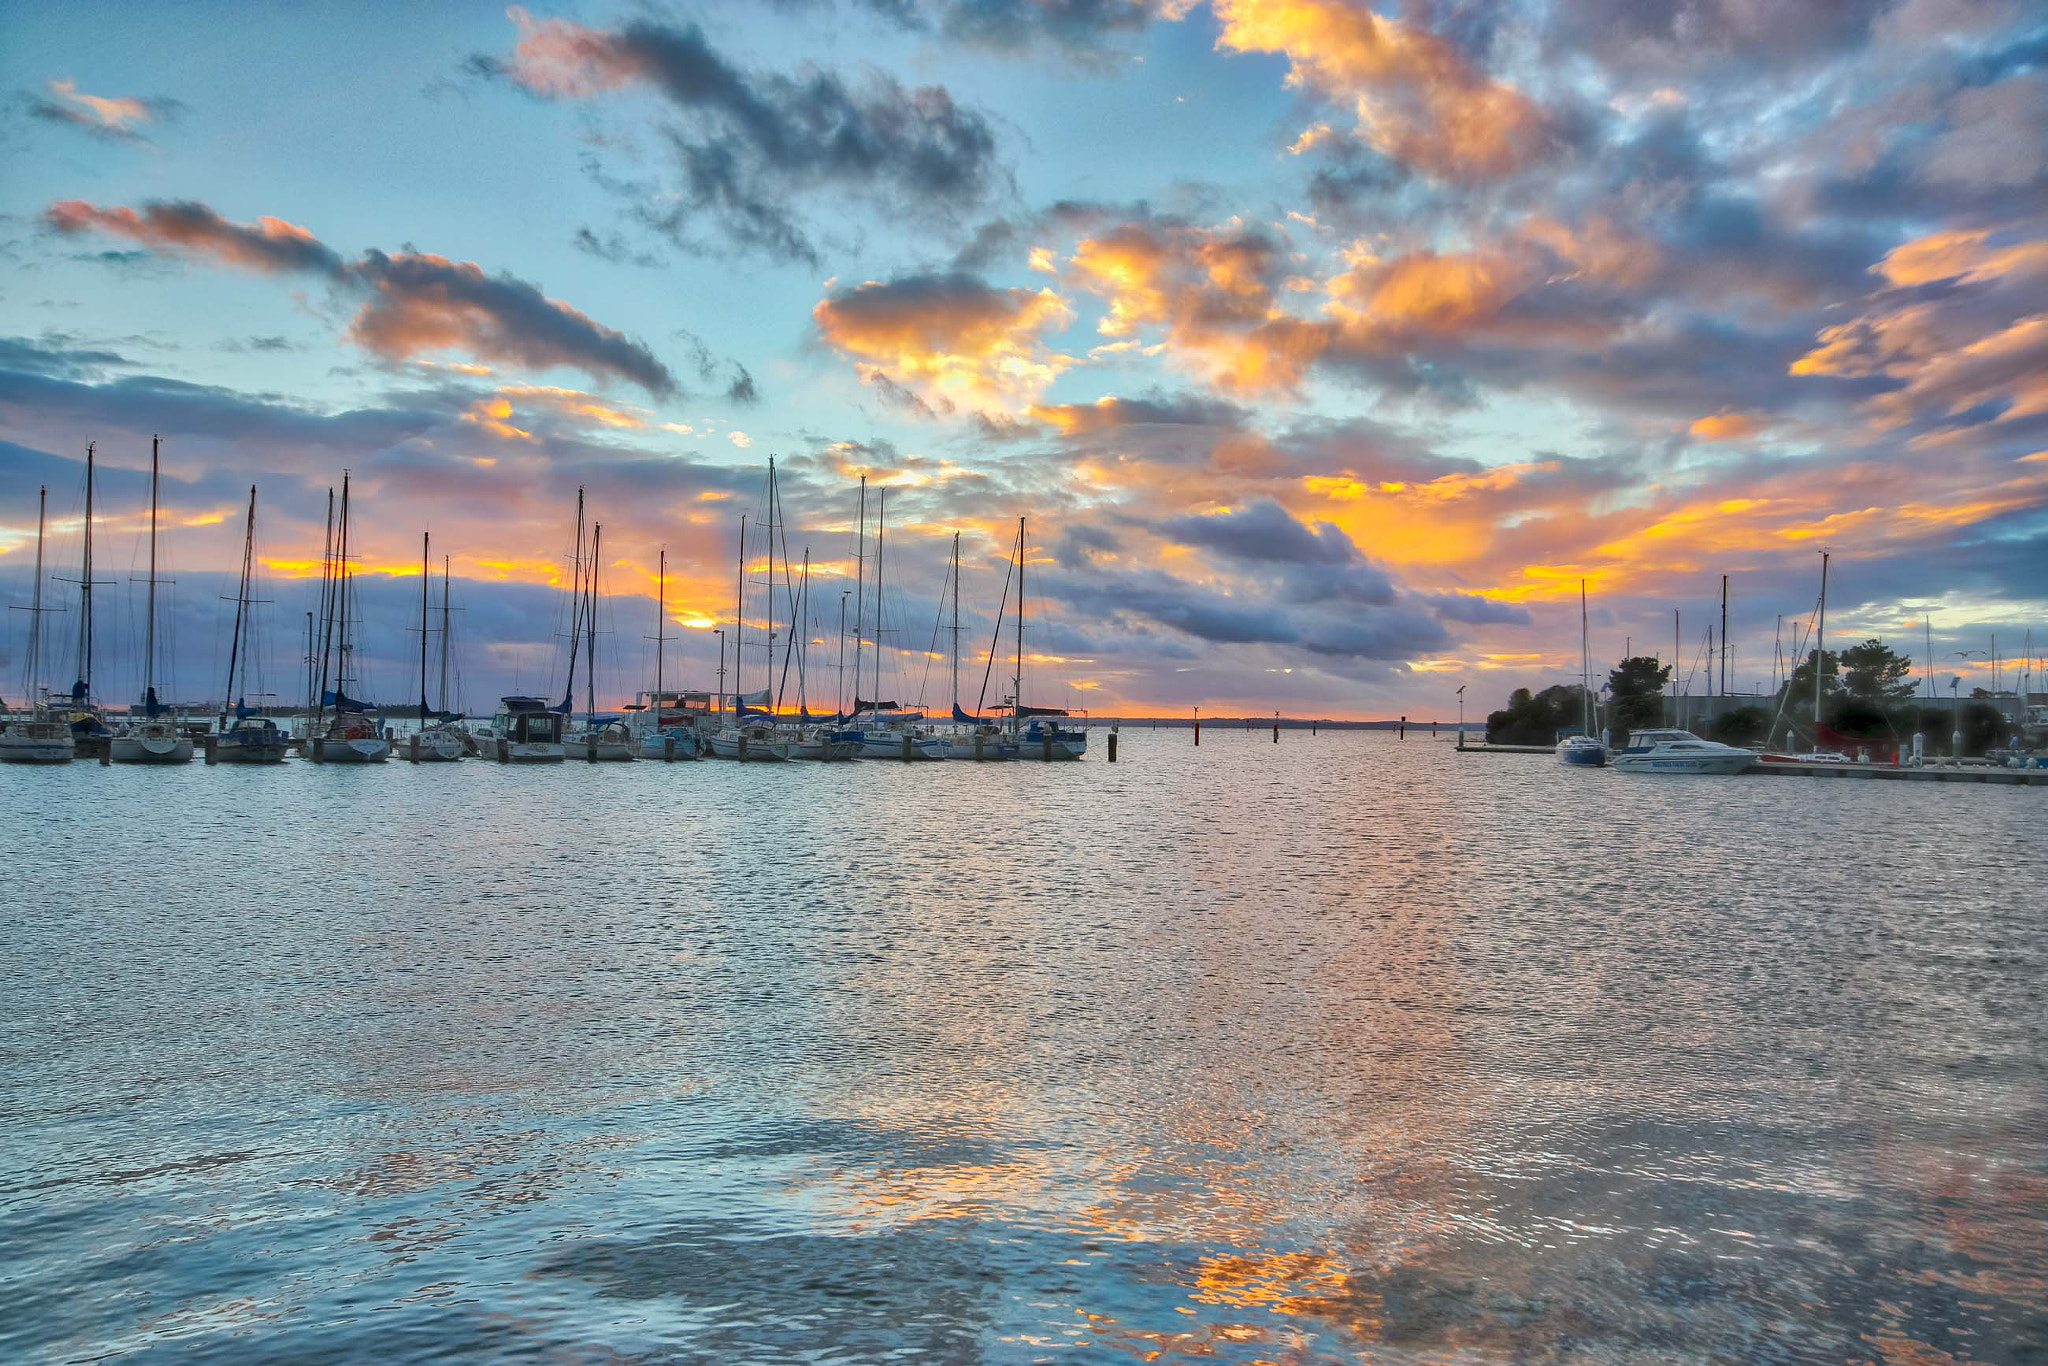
1415, 96
1728, 426
269, 244
117, 114
950, 338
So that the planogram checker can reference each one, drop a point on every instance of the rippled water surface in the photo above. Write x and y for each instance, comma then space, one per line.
1346, 1048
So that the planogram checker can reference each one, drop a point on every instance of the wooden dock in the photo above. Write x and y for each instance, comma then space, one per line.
1932, 773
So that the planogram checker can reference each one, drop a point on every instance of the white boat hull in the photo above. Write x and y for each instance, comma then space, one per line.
436, 745
371, 749
150, 749
20, 747
232, 750
749, 750
668, 748
906, 747
980, 747
1682, 763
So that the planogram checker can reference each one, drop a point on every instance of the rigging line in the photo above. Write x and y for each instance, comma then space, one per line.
995, 641
932, 649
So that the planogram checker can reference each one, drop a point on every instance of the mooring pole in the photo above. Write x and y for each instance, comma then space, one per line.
1198, 726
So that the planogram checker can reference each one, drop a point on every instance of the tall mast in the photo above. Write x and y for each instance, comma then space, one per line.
425, 541
739, 620
1585, 663
839, 669
769, 536
149, 620
1724, 635
590, 655
82, 691
881, 531
956, 621
1017, 683
316, 677
1819, 638
575, 607
35, 619
227, 701
330, 598
860, 580
344, 580
660, 629
444, 635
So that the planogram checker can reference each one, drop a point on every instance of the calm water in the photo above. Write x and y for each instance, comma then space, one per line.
1347, 1048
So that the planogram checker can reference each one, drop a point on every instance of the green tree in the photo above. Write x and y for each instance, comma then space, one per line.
1874, 672
1742, 726
1636, 687
1535, 719
1800, 685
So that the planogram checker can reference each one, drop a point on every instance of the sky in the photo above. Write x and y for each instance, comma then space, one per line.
1327, 348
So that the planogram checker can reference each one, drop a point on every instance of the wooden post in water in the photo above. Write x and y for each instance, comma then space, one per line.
1276, 727
208, 741
1402, 734
1198, 727
1112, 744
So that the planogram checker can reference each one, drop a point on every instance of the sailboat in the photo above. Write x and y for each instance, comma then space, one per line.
610, 741
664, 733
443, 741
37, 738
151, 740
887, 731
90, 736
972, 736
348, 736
822, 739
251, 739
1583, 750
1045, 738
751, 736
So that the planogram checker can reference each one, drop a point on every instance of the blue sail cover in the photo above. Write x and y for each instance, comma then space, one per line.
1041, 711
150, 706
745, 710
963, 718
341, 701
242, 709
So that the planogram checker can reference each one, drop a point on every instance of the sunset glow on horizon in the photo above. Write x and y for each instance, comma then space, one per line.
1327, 347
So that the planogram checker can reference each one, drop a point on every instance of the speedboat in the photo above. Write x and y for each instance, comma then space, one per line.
1679, 751
524, 731
151, 742
40, 741
1581, 751
250, 740
1048, 740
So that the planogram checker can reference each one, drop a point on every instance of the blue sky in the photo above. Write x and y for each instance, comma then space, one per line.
1328, 347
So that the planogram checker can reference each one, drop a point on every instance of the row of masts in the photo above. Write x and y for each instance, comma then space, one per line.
796, 593
330, 629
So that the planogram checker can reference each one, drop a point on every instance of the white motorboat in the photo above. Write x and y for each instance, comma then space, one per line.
1678, 751
524, 731
36, 742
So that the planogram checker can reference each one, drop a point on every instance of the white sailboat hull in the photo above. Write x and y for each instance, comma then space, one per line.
155, 746
37, 743
370, 749
436, 745
905, 747
734, 745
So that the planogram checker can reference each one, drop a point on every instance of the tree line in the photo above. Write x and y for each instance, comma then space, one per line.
1867, 693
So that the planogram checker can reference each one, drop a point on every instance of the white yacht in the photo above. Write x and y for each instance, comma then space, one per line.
1678, 751
250, 740
524, 731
